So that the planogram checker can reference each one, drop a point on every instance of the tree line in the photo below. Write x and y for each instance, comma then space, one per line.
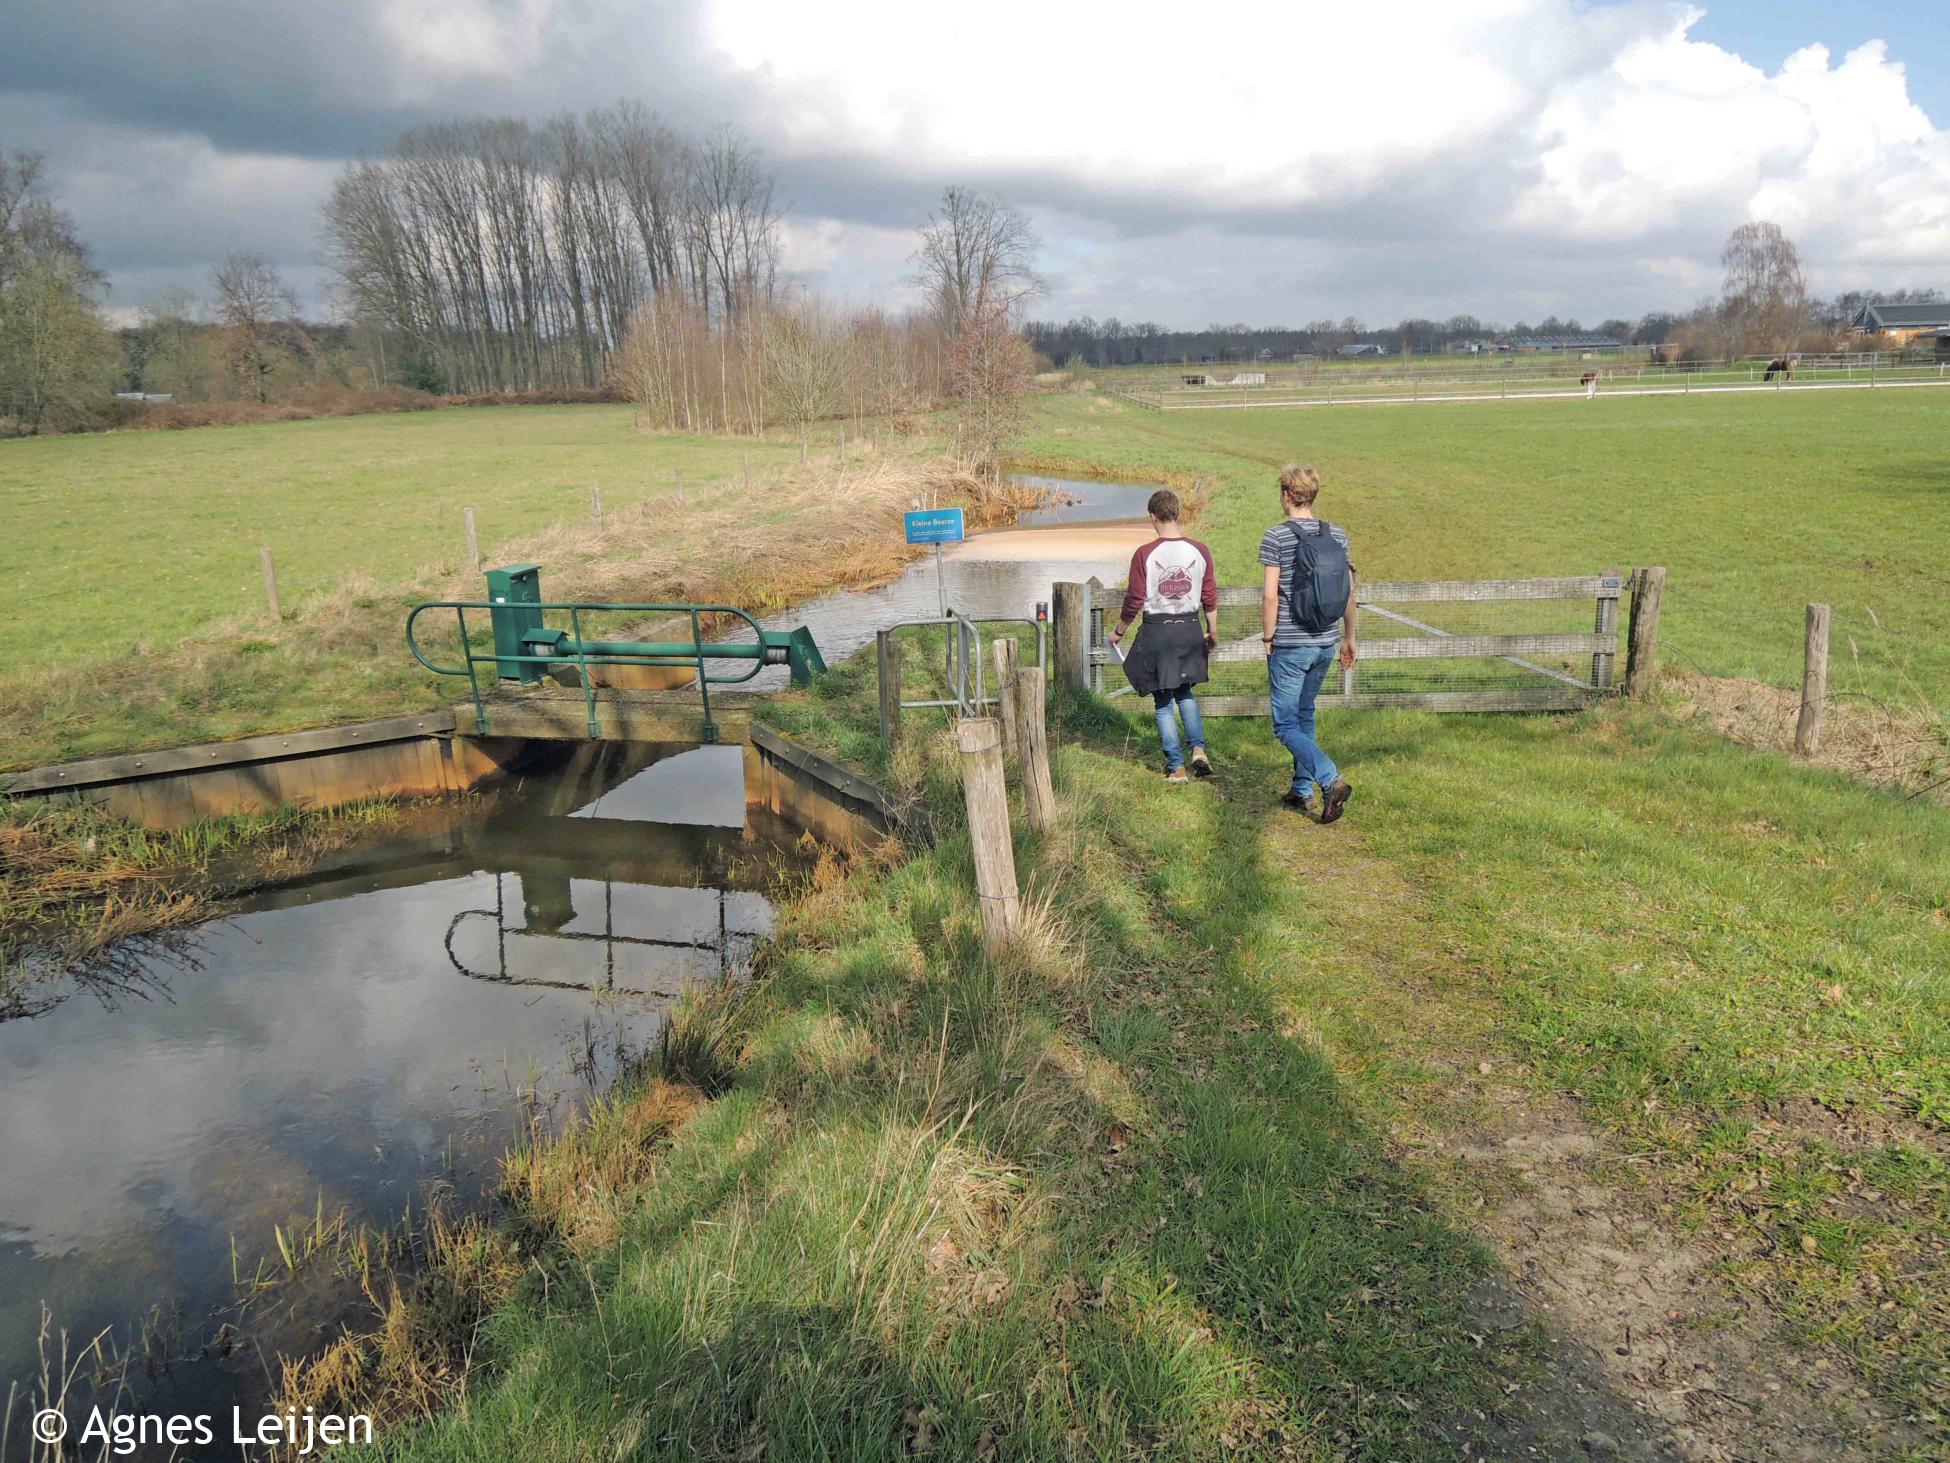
494, 255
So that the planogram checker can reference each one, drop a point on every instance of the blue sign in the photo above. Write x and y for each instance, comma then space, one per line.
935, 526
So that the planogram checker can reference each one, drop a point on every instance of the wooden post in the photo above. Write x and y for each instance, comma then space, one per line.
596, 505
876, 439
842, 444
1005, 691
745, 461
1814, 683
473, 539
887, 658
1604, 622
1642, 651
979, 739
1032, 747
270, 582
1069, 629
680, 489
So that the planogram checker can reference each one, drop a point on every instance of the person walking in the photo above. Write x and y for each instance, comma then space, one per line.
1173, 583
1306, 611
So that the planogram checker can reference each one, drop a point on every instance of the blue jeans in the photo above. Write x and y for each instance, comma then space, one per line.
1186, 705
1295, 673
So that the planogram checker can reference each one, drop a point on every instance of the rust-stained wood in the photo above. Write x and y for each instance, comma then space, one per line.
1070, 632
1005, 692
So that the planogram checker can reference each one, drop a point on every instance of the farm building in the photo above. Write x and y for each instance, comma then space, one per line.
1564, 343
1249, 378
1362, 348
1902, 322
1195, 378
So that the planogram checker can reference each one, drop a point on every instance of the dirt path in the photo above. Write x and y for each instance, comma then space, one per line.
1649, 1353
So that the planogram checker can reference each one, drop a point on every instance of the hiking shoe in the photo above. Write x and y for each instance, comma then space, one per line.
1178, 774
1335, 803
1310, 804
1200, 766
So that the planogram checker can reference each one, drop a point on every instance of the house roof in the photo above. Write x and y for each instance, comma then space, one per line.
1904, 317
1566, 342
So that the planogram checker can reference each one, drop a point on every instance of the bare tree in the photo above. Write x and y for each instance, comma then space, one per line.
256, 308
977, 257
57, 360
1764, 297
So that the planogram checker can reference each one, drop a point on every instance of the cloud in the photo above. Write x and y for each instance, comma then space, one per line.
1255, 161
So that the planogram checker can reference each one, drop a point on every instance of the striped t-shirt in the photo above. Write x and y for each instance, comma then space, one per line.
1279, 546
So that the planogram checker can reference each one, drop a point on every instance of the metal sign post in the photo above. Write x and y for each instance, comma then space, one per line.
936, 526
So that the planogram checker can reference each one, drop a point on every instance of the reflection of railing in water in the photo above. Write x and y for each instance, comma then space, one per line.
557, 911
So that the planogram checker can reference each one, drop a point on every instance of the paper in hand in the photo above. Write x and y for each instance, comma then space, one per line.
1117, 649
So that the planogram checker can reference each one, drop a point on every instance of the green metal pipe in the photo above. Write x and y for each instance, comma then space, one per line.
659, 650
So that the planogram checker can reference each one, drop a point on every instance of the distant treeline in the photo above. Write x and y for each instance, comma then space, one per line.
1115, 343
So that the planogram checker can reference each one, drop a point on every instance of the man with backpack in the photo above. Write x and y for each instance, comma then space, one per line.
1306, 611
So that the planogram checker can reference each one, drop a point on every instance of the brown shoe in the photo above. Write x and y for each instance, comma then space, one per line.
1335, 802
1178, 774
1310, 804
1200, 766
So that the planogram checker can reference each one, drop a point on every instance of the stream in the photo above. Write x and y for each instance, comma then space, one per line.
384, 1027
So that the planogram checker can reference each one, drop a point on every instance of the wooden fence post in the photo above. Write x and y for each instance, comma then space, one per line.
887, 658
1642, 649
1604, 622
842, 444
745, 461
1814, 683
1070, 632
979, 740
1032, 747
270, 582
680, 489
596, 505
473, 539
1005, 691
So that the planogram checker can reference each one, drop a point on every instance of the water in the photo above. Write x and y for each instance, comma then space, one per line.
348, 1039
1000, 574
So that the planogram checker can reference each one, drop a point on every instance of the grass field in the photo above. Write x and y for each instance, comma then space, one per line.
1756, 505
124, 538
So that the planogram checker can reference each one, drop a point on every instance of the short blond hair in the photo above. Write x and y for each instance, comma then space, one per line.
1299, 484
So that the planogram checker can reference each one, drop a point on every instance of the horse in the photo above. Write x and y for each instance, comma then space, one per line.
1589, 381
1780, 365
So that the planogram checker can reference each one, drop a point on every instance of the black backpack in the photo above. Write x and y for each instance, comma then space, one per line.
1317, 597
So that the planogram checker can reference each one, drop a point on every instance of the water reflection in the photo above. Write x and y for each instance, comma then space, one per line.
342, 1041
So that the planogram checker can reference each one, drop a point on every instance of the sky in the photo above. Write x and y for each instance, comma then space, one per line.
1272, 163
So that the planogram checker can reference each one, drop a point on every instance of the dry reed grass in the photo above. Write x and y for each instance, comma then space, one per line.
1904, 749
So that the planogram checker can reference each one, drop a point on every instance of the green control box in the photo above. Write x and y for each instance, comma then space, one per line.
515, 591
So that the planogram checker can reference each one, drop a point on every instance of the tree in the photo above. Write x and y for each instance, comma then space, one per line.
976, 260
1763, 297
57, 360
255, 307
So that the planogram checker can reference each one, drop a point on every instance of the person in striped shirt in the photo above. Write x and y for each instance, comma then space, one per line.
1298, 657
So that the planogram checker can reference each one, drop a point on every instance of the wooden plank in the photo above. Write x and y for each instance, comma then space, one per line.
1413, 591
1436, 647
980, 742
1535, 698
228, 754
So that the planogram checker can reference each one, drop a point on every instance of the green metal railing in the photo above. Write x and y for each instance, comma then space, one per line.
541, 649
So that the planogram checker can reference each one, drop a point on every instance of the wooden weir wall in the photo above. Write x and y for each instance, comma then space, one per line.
1484, 644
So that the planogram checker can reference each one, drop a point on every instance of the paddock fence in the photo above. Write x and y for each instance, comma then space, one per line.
1544, 644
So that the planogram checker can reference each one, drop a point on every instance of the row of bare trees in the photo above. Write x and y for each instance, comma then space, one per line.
494, 255
790, 359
